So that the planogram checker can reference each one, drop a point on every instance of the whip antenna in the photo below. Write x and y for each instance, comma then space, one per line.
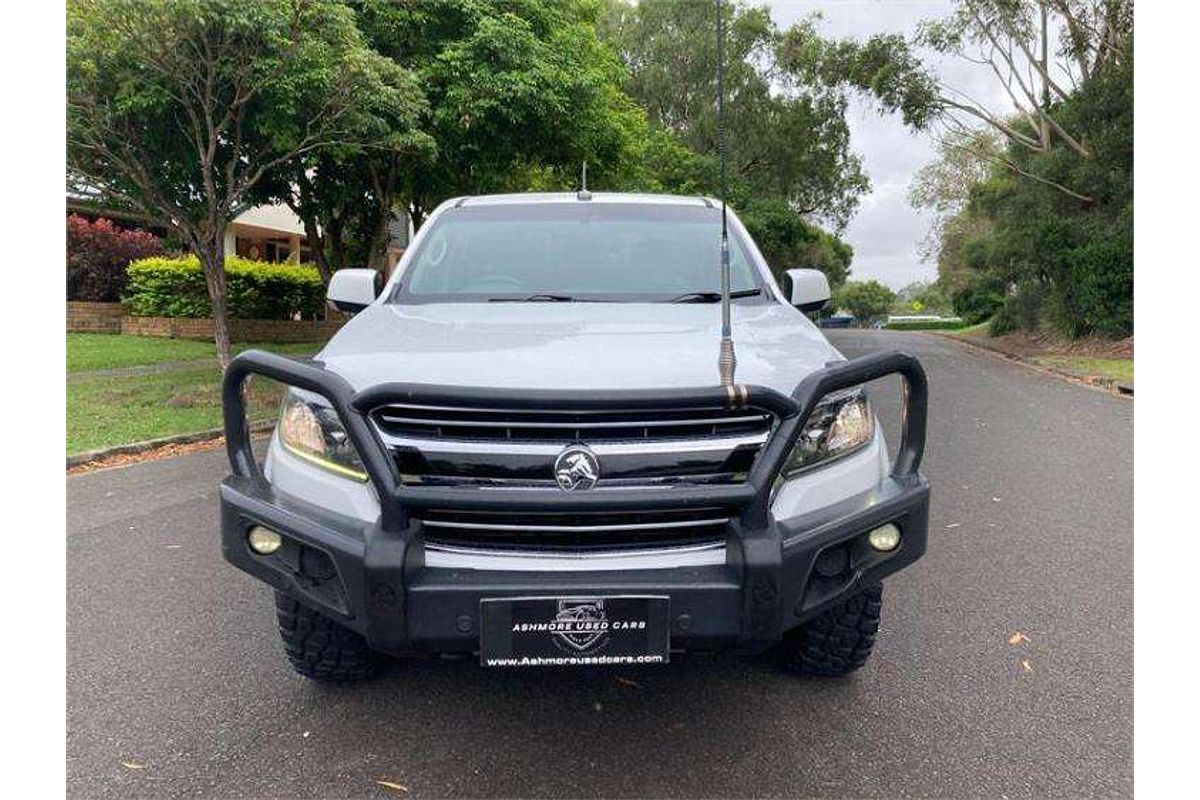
726, 360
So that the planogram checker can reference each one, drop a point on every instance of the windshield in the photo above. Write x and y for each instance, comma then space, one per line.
575, 251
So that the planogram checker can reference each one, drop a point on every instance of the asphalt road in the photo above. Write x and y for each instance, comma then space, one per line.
174, 665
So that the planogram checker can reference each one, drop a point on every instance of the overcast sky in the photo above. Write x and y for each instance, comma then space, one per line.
886, 231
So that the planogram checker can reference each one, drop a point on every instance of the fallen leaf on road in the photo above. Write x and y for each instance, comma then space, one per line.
995, 499
305, 734
628, 682
1017, 638
395, 787
953, 525
132, 765
1025, 665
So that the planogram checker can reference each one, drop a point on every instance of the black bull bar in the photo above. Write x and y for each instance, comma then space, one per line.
754, 536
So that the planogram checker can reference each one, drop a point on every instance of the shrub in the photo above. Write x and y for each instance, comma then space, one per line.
97, 254
174, 287
979, 301
1005, 321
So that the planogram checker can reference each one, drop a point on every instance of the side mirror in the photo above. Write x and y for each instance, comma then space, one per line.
352, 290
808, 289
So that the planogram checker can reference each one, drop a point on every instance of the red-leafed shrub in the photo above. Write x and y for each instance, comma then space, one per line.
97, 254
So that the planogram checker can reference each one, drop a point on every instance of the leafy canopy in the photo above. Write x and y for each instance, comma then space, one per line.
864, 299
182, 107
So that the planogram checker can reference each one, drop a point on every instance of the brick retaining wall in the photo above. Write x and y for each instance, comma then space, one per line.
242, 330
85, 317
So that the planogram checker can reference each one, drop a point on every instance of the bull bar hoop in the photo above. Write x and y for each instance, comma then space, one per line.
749, 500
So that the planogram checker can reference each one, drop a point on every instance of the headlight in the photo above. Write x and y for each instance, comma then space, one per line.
310, 429
839, 425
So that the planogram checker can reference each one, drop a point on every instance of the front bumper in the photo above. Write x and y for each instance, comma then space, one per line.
388, 595
372, 577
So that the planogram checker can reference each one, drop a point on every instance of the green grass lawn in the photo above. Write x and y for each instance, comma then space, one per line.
104, 412
92, 351
979, 329
1117, 369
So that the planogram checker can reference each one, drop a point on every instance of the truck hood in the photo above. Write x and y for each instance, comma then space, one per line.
573, 345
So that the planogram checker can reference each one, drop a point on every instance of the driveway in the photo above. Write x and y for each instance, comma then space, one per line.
174, 667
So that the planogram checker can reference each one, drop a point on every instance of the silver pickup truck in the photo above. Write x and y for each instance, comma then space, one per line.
518, 450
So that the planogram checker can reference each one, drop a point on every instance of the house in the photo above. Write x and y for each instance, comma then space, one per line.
263, 233
268, 233
275, 233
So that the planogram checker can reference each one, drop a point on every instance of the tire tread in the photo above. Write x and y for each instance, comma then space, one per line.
837, 641
319, 648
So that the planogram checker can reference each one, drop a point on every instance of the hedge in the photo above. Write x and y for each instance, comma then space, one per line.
927, 325
174, 287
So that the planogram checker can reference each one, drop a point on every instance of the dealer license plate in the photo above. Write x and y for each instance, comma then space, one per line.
569, 631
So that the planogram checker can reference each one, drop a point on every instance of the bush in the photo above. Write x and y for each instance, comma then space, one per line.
97, 254
979, 302
1023, 309
1004, 322
174, 287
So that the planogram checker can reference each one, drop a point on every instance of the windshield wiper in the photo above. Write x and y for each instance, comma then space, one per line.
713, 297
534, 298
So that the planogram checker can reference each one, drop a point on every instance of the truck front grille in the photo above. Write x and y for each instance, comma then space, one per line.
481, 424
488, 449
542, 531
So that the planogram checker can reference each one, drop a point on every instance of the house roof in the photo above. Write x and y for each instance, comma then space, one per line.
277, 218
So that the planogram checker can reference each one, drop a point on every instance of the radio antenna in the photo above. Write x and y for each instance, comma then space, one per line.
726, 360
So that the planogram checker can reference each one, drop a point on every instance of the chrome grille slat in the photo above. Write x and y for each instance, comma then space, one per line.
645, 526
435, 422
447, 423
485, 449
574, 532
602, 449
611, 484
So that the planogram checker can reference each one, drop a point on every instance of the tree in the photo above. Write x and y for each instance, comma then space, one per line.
786, 138
1027, 251
1017, 42
1039, 52
943, 187
787, 241
519, 94
921, 297
865, 299
182, 107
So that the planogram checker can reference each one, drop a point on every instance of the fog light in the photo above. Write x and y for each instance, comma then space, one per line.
264, 541
885, 538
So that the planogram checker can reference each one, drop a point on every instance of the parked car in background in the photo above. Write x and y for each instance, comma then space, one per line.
837, 321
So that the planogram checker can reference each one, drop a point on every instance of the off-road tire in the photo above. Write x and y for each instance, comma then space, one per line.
836, 642
321, 649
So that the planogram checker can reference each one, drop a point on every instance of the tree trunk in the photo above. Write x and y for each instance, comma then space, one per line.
337, 246
212, 259
384, 188
316, 246
377, 254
